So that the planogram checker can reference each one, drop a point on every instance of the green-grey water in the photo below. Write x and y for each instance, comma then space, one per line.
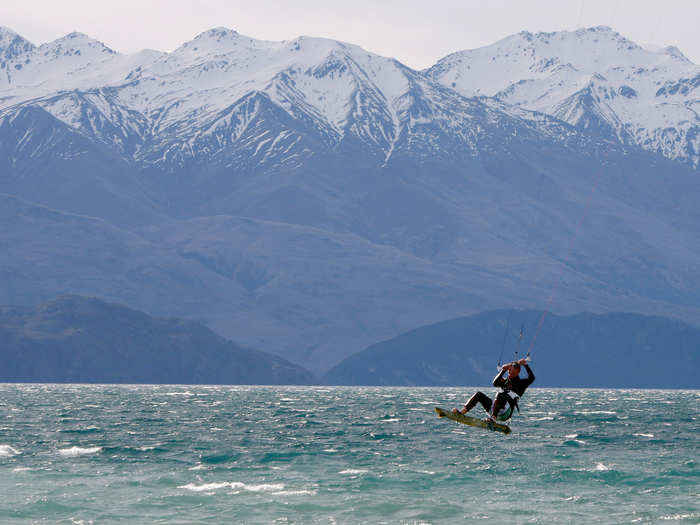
193, 454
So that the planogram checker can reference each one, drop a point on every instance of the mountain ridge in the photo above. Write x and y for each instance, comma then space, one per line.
243, 66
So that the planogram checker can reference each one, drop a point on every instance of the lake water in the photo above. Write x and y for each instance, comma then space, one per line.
192, 454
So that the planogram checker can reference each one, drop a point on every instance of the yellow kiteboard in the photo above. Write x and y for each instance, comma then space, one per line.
472, 421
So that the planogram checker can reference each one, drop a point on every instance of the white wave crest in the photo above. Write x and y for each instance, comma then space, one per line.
79, 451
353, 471
7, 451
679, 517
209, 487
295, 493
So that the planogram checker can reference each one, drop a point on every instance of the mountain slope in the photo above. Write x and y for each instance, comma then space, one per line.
606, 351
79, 340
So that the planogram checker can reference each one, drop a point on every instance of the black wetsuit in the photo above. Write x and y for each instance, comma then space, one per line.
516, 385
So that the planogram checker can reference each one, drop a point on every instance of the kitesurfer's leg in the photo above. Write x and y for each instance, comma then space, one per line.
497, 404
479, 397
502, 409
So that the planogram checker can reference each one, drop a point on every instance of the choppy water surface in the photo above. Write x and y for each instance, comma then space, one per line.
165, 454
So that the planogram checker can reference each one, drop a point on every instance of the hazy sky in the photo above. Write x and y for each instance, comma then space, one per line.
417, 32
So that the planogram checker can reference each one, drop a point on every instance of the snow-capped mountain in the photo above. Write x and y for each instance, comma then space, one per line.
595, 79
233, 100
309, 197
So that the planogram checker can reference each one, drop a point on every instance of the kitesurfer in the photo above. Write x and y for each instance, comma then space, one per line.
512, 388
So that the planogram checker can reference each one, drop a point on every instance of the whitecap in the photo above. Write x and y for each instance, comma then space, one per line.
391, 420
206, 487
679, 517
353, 471
209, 487
263, 487
295, 493
7, 451
79, 451
644, 435
330, 450
199, 466
22, 469
600, 467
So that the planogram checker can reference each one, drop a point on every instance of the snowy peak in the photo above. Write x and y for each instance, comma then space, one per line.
219, 39
72, 62
676, 53
524, 56
217, 33
12, 46
592, 78
74, 45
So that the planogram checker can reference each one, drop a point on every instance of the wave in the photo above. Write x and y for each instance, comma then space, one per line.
6, 451
295, 493
79, 451
680, 517
86, 430
209, 487
186, 393
354, 471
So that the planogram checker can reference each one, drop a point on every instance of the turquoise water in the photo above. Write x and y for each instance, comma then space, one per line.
190, 454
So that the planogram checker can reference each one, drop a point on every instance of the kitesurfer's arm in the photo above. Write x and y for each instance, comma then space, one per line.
499, 380
530, 376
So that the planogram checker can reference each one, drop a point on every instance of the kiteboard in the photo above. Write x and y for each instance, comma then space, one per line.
472, 421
